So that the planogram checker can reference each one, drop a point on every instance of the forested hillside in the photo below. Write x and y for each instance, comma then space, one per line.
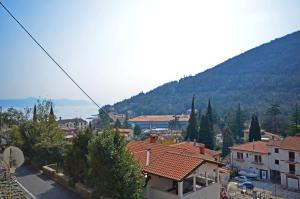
266, 74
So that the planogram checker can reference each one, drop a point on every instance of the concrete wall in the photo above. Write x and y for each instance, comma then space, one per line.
210, 192
158, 194
160, 183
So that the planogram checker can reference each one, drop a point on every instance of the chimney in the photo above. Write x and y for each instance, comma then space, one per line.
202, 149
148, 157
153, 138
59, 118
195, 142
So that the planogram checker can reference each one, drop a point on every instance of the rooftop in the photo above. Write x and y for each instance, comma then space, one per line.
288, 143
256, 146
167, 161
159, 118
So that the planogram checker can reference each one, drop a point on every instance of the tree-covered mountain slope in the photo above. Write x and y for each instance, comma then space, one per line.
266, 74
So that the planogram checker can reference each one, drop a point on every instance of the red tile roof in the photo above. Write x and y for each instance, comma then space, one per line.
289, 143
166, 161
256, 146
159, 118
191, 147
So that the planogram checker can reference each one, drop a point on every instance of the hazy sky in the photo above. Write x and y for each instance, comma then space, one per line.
116, 49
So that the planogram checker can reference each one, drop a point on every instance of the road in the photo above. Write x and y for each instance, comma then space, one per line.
41, 186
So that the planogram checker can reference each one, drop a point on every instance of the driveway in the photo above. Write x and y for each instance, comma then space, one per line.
41, 186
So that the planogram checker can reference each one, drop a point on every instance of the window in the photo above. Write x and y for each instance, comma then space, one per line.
292, 168
292, 156
239, 156
257, 158
247, 155
276, 161
276, 150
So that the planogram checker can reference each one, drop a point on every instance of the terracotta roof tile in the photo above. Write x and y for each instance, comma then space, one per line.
289, 143
256, 146
159, 118
190, 146
173, 165
166, 161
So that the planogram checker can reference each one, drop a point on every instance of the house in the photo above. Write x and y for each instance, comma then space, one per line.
77, 123
265, 136
158, 121
126, 133
175, 172
284, 157
251, 157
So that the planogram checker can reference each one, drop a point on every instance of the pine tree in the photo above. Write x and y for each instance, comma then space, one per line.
295, 121
205, 135
254, 132
227, 142
34, 118
117, 124
192, 129
273, 111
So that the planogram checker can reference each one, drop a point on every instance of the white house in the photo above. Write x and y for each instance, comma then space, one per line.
176, 173
284, 161
251, 157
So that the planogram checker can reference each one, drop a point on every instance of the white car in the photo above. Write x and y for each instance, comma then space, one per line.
241, 179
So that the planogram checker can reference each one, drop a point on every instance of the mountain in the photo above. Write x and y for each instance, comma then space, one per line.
30, 101
269, 73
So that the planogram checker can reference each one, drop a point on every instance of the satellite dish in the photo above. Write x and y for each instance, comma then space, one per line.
13, 157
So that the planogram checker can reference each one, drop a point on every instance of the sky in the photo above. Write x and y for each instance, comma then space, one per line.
116, 49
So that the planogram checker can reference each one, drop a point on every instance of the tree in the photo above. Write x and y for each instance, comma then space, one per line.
113, 171
34, 118
227, 142
239, 125
254, 132
205, 135
192, 128
137, 130
295, 121
174, 124
12, 117
51, 114
105, 119
209, 115
117, 124
273, 111
76, 158
125, 123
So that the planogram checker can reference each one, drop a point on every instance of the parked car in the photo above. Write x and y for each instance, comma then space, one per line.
247, 185
241, 179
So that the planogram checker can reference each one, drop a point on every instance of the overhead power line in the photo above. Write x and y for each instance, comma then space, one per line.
48, 54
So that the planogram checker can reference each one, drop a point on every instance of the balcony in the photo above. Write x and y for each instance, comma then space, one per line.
239, 160
291, 159
257, 163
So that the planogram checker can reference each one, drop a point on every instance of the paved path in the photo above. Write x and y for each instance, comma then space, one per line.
41, 186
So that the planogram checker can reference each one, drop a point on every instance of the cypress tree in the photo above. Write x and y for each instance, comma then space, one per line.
205, 135
51, 115
227, 142
295, 121
238, 125
126, 124
117, 124
273, 111
254, 132
192, 129
34, 118
105, 120
209, 115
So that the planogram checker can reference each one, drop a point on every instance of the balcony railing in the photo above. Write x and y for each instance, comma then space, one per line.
257, 162
292, 159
